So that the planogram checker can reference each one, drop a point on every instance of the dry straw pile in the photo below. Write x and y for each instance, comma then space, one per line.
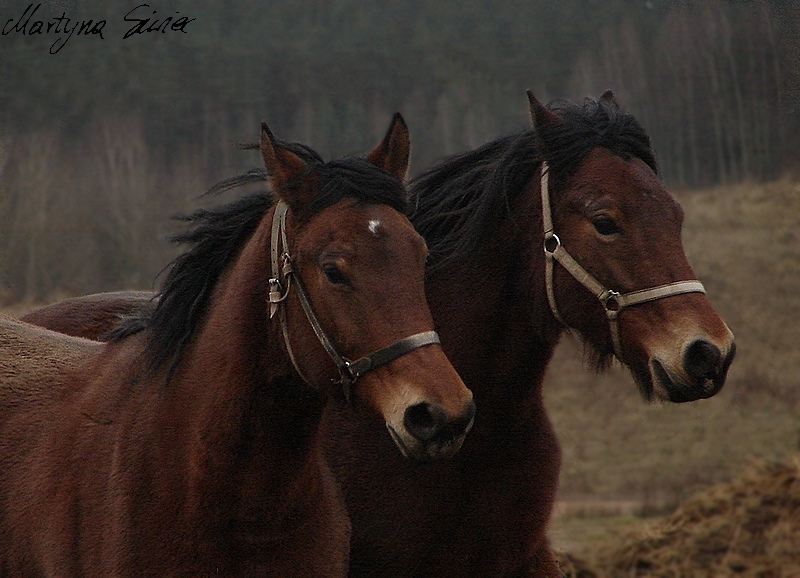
749, 527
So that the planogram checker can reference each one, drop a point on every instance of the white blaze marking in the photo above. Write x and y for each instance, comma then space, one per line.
373, 226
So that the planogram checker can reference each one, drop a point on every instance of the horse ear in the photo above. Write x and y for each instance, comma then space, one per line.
607, 99
282, 165
540, 115
392, 153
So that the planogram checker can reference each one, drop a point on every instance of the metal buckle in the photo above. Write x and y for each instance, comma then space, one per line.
276, 295
275, 290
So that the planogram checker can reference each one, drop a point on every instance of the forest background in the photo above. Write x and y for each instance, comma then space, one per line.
103, 140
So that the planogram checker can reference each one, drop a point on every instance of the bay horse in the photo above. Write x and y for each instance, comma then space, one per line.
92, 316
566, 226
190, 445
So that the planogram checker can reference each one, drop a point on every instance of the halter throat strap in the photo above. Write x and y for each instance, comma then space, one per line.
613, 302
283, 273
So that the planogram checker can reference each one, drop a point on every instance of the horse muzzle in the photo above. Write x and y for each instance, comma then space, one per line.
427, 433
700, 374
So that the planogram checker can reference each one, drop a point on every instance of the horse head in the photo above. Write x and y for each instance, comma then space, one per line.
359, 266
616, 269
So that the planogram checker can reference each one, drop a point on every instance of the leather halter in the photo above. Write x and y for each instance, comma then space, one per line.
612, 301
283, 271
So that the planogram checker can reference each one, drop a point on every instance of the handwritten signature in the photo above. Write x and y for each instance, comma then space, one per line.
64, 27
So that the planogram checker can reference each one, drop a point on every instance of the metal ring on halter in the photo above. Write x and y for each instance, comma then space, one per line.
551, 236
611, 303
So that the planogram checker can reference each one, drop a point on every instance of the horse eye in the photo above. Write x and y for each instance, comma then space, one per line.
335, 275
605, 225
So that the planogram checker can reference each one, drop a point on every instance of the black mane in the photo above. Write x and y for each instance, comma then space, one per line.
459, 201
216, 237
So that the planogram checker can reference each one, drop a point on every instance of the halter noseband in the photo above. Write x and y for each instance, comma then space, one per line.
349, 371
612, 301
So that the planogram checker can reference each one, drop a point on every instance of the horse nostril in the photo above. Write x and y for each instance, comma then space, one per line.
703, 360
424, 421
428, 423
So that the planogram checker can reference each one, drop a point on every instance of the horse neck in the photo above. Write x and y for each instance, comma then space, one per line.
498, 292
252, 423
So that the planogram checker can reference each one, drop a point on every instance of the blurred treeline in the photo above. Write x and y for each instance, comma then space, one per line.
101, 141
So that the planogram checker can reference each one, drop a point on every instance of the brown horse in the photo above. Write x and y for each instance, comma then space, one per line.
90, 316
191, 447
494, 254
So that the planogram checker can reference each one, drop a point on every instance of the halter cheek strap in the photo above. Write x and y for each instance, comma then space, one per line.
349, 371
612, 301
